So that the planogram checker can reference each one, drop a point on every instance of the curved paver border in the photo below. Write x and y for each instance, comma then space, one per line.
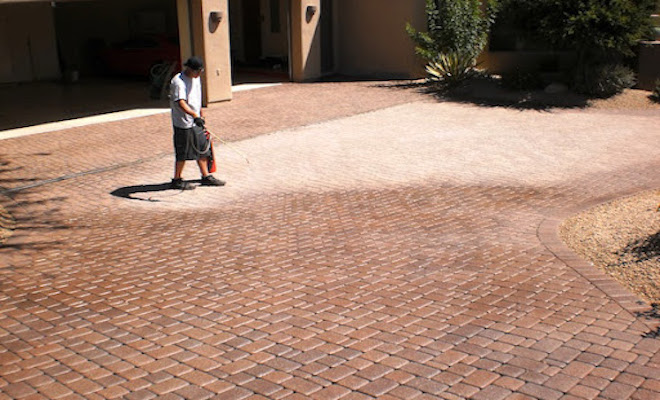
548, 235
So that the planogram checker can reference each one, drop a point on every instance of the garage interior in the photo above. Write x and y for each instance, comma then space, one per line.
71, 59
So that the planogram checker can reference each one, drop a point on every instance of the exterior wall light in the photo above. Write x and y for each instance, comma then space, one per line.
216, 16
311, 10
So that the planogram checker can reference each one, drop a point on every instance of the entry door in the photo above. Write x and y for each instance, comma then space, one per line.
252, 30
327, 48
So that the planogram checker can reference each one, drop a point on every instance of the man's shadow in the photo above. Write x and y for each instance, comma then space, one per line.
134, 192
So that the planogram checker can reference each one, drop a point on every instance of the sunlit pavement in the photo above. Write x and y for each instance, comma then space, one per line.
370, 243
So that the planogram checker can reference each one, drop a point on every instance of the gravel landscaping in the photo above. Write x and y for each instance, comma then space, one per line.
623, 239
630, 99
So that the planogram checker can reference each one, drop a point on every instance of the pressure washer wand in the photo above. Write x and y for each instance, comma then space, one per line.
234, 149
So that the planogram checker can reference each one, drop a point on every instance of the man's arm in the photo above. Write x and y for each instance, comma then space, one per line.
199, 121
186, 108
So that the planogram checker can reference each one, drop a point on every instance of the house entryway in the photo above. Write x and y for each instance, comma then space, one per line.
259, 31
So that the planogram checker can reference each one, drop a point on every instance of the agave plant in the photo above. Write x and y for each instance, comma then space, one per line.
451, 68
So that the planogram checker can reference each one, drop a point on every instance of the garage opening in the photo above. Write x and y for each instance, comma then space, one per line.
69, 59
260, 39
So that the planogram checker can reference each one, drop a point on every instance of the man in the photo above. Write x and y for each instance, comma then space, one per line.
190, 143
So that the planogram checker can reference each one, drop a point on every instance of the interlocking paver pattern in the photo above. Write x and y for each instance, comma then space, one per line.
378, 245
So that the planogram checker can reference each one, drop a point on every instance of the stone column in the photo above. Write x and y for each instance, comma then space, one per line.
204, 32
305, 39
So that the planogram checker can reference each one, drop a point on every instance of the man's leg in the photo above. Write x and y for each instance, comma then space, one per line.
180, 150
208, 179
178, 169
203, 164
177, 182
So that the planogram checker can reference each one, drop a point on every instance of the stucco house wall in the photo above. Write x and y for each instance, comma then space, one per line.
371, 39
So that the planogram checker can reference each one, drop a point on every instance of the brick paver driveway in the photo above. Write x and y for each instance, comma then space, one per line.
377, 245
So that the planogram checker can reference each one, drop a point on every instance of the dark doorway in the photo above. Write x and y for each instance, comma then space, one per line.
252, 31
259, 41
327, 50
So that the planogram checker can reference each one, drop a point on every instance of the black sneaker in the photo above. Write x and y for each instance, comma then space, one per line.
179, 184
211, 180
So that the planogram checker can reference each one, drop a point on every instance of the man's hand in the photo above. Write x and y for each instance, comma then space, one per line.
199, 121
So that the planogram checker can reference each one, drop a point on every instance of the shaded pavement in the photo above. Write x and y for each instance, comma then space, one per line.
378, 244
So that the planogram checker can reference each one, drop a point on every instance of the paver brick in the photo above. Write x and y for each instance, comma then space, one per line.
262, 387
618, 391
333, 392
492, 393
481, 378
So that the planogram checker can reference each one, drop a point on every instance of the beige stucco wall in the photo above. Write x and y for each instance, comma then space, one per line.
27, 50
371, 39
185, 30
211, 42
305, 40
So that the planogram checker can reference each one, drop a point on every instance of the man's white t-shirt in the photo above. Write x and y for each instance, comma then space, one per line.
189, 89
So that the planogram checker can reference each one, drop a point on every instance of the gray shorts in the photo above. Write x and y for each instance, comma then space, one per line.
191, 143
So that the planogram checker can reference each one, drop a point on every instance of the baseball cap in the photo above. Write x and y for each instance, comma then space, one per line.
194, 63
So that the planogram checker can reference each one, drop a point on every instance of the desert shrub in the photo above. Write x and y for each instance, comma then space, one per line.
457, 33
606, 80
451, 68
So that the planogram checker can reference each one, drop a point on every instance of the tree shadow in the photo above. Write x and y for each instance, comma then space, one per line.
30, 221
654, 315
489, 92
25, 215
644, 249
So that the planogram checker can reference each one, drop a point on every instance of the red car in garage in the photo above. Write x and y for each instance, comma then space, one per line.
137, 56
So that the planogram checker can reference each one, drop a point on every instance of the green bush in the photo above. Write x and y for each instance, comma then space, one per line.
599, 29
599, 32
457, 31
460, 26
606, 80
